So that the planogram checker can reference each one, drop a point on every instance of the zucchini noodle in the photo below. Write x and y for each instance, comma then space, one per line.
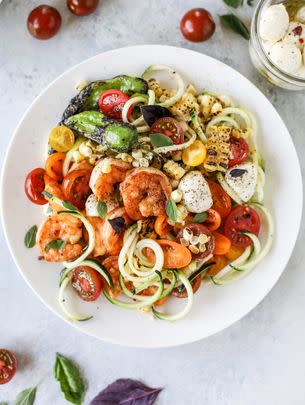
132, 101
228, 189
239, 112
69, 154
219, 119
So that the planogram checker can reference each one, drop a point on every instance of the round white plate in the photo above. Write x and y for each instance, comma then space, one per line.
215, 307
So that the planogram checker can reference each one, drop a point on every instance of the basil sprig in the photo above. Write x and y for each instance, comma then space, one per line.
26, 397
55, 244
30, 237
160, 140
201, 217
171, 210
70, 379
101, 209
235, 24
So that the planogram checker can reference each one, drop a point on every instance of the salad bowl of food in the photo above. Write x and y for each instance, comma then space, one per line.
152, 198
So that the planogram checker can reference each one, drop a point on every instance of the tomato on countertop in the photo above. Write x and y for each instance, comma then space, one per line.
241, 218
82, 7
44, 22
8, 366
197, 25
34, 186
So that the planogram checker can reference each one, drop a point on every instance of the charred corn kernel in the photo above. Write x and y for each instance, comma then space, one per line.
81, 85
174, 183
195, 154
218, 148
225, 100
206, 100
216, 108
241, 133
125, 157
143, 162
176, 196
173, 170
194, 249
184, 106
85, 150
187, 234
191, 89
149, 156
77, 156
182, 213
154, 85
137, 154
135, 163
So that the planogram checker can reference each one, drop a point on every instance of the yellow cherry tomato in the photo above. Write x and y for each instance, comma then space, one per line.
195, 154
61, 138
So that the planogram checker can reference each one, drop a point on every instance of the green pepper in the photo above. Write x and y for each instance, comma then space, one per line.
94, 125
87, 99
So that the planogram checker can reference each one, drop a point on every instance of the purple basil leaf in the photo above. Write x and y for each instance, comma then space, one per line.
126, 392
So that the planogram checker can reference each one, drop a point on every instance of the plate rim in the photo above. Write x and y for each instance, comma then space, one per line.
10, 245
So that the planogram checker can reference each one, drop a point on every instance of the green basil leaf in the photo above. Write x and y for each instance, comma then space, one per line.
171, 210
199, 218
55, 244
160, 140
47, 194
69, 206
30, 237
26, 397
234, 3
101, 209
69, 377
235, 24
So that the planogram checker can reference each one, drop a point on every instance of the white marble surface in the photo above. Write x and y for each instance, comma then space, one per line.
259, 360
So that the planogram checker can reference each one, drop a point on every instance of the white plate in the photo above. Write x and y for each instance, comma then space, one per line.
215, 307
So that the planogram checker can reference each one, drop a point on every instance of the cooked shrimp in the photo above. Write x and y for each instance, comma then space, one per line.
106, 174
54, 188
62, 227
113, 238
144, 192
99, 247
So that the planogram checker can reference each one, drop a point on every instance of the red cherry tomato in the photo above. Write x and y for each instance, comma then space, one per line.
8, 366
87, 283
239, 150
76, 188
221, 200
197, 230
111, 103
82, 7
34, 186
197, 25
44, 22
241, 218
169, 127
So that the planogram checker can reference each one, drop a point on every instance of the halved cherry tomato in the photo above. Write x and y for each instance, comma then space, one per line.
161, 226
8, 366
241, 218
61, 138
220, 263
112, 266
195, 286
169, 127
234, 253
221, 200
111, 103
76, 187
87, 283
195, 154
199, 229
213, 221
239, 150
222, 244
54, 165
34, 186
176, 256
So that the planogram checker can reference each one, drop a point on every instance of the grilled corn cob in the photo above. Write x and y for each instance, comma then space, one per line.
218, 149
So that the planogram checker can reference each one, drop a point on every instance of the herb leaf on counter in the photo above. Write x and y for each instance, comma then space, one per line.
30, 238
26, 397
234, 3
127, 392
171, 210
235, 24
69, 377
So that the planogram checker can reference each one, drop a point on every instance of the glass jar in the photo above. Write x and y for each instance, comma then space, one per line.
260, 59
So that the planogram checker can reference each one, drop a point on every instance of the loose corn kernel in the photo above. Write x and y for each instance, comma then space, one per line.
176, 196
143, 162
174, 170
216, 108
85, 150
137, 154
81, 85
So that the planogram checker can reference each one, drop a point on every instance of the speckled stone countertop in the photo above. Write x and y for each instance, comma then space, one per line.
259, 360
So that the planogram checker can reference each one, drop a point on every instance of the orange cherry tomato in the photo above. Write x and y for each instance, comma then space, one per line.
161, 226
234, 253
220, 263
221, 200
213, 221
54, 165
222, 244
176, 256
76, 187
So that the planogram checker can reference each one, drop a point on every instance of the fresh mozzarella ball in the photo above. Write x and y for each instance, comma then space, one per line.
267, 45
287, 57
295, 35
196, 192
242, 179
301, 15
274, 23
